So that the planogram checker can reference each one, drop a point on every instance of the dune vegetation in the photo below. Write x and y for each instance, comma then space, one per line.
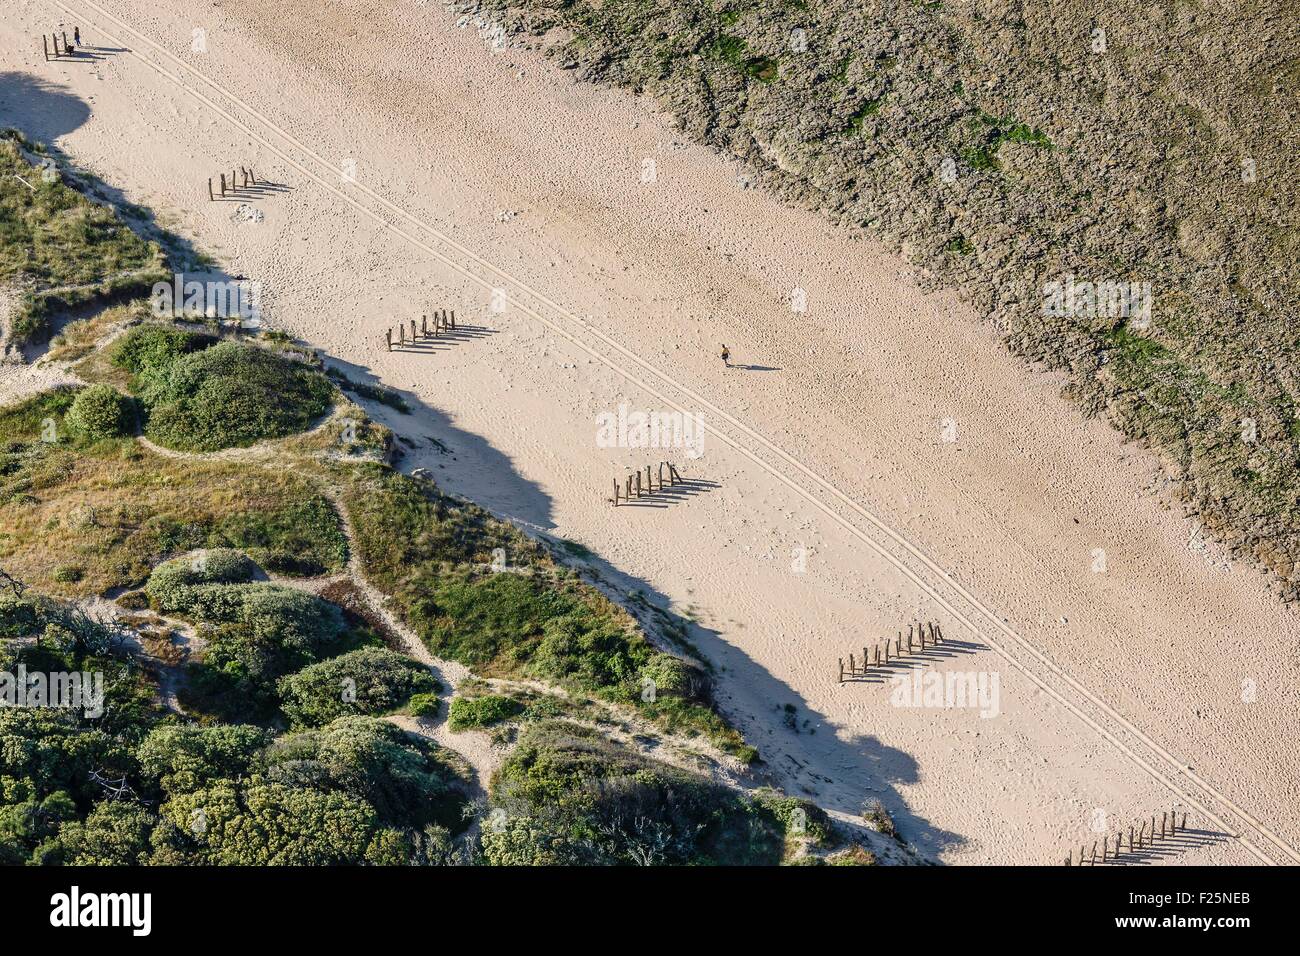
59, 249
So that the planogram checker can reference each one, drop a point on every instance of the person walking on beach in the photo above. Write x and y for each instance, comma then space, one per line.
726, 357
76, 35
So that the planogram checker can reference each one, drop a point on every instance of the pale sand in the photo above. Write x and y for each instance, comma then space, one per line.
1159, 643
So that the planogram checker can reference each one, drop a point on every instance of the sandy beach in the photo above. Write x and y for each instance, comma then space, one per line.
873, 456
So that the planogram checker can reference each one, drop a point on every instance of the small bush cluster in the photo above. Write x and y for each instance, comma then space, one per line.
204, 397
573, 797
468, 713
99, 412
370, 680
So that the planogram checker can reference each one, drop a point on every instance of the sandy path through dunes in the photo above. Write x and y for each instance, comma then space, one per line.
542, 179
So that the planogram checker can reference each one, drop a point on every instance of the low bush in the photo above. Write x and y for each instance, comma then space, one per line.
99, 412
204, 397
467, 713
371, 680
424, 705
572, 796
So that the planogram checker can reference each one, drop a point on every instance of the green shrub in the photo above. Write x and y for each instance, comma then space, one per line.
264, 632
181, 759
466, 713
148, 351
875, 813
227, 395
424, 705
571, 796
370, 680
99, 412
69, 573
403, 776
673, 677
114, 833
170, 583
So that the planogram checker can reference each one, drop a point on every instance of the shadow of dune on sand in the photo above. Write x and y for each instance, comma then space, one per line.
43, 110
865, 768
435, 443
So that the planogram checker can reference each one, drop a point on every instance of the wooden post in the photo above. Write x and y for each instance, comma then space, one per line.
615, 492
628, 494
898, 646
864, 660
424, 326
886, 650
1183, 826
649, 483
1162, 824
841, 670
877, 661
1131, 845
413, 331
245, 173
45, 44
1153, 830
1105, 845
453, 319
909, 638
223, 183
388, 337
1094, 853
211, 198
852, 666
672, 473
252, 176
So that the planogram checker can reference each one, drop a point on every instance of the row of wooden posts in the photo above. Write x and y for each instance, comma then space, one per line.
633, 486
1137, 839
443, 321
248, 176
68, 49
917, 634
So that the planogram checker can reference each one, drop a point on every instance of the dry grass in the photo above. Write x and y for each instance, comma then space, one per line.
113, 514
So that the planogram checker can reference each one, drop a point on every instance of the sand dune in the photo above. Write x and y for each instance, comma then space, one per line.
477, 169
